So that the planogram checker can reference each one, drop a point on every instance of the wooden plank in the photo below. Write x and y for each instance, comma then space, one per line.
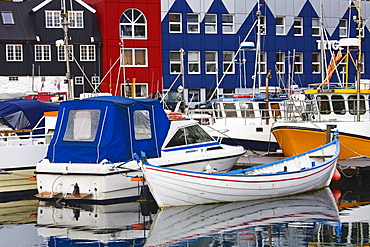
48, 194
77, 196
6, 132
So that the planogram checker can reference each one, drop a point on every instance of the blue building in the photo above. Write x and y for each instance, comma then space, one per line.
205, 36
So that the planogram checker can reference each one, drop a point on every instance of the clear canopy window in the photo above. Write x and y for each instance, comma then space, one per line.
189, 135
82, 125
142, 125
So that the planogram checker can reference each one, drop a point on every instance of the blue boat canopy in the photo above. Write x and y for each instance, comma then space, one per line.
21, 114
108, 127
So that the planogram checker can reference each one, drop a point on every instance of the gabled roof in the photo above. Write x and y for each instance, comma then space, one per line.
46, 2
24, 25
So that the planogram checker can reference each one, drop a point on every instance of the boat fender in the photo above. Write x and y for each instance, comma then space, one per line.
336, 175
136, 157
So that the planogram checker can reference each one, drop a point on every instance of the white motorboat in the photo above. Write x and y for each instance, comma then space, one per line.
23, 143
92, 153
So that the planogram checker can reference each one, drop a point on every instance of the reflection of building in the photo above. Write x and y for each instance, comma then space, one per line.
30, 57
131, 29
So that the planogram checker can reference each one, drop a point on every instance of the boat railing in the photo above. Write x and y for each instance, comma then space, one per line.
23, 137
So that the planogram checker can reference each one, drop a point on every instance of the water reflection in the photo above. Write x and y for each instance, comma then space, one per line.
305, 220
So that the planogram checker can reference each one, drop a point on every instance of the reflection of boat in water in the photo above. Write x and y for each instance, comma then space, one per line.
95, 223
18, 212
191, 223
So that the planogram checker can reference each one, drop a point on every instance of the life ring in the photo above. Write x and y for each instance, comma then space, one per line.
175, 115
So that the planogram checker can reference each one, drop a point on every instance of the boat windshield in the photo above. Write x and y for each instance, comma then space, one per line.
189, 135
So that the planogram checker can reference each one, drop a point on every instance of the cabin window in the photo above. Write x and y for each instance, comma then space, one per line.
189, 135
7, 17
247, 110
230, 109
264, 112
82, 125
338, 104
275, 108
352, 104
324, 104
142, 125
17, 119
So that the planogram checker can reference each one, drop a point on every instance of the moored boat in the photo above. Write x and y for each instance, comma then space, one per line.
305, 172
92, 153
23, 143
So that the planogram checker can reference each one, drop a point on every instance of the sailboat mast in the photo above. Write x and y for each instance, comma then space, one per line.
65, 23
358, 63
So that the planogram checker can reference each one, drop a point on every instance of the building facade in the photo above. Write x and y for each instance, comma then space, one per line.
288, 36
33, 56
132, 46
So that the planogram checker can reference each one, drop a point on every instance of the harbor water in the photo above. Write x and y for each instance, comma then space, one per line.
336, 216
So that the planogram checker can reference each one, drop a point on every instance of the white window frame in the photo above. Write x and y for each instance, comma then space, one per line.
193, 25
298, 26
316, 66
61, 51
343, 28
316, 30
133, 24
15, 51
54, 16
79, 80
226, 24
298, 63
194, 62
210, 24
211, 61
226, 62
76, 19
87, 53
175, 61
127, 87
263, 25
263, 62
42, 53
280, 62
95, 80
362, 63
280, 28
134, 52
7, 17
176, 23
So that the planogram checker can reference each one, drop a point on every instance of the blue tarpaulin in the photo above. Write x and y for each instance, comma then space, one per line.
25, 113
108, 127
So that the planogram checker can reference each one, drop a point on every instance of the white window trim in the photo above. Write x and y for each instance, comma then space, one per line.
88, 58
197, 62
13, 50
263, 54
280, 26
211, 63
4, 19
95, 80
281, 63
43, 53
300, 54
72, 18
134, 24
299, 27
196, 24
61, 48
343, 28
133, 50
210, 24
80, 80
175, 23
315, 27
175, 62
225, 64
232, 25
263, 25
316, 63
55, 16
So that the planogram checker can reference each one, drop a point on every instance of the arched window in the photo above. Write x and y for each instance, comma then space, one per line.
133, 24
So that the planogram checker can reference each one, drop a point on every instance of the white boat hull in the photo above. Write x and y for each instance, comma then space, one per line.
309, 171
105, 182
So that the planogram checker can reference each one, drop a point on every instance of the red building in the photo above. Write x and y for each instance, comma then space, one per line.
132, 46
